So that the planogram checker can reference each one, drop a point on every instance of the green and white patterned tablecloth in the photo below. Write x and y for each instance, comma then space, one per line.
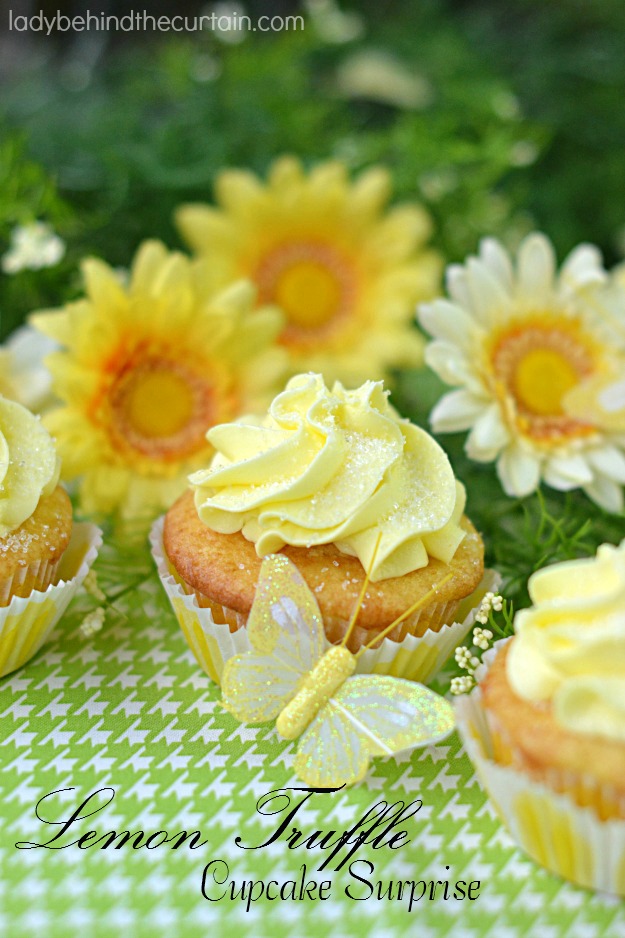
130, 710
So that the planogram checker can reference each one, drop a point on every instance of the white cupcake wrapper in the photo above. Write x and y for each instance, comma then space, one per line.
416, 658
26, 623
34, 576
557, 833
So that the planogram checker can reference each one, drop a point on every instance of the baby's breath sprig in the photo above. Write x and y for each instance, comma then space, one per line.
92, 622
468, 658
122, 566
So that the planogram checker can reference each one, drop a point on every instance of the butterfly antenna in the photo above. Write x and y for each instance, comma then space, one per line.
420, 602
359, 601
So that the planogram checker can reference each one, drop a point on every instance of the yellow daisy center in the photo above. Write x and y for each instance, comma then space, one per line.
313, 284
542, 378
309, 293
159, 404
535, 365
158, 408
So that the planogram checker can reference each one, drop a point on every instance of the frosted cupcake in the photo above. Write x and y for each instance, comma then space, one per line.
35, 512
37, 540
546, 727
342, 485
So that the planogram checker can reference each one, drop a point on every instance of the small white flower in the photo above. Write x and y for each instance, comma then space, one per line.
463, 657
481, 638
518, 342
229, 21
32, 247
92, 622
23, 376
461, 685
333, 24
376, 76
92, 586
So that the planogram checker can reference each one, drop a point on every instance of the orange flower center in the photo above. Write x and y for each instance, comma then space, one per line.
313, 284
535, 365
159, 408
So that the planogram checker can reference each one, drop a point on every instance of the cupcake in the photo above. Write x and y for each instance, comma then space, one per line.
35, 512
546, 725
342, 485
38, 543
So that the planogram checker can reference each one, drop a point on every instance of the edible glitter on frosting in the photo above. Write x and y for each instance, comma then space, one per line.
569, 648
29, 467
334, 466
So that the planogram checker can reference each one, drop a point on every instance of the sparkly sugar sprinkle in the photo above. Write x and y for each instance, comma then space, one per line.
21, 540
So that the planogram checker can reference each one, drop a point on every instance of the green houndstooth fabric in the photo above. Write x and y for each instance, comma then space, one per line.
130, 710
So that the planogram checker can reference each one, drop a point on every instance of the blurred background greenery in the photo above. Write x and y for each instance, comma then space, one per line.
499, 117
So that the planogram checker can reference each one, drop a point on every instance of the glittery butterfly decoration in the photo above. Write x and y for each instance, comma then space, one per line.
294, 676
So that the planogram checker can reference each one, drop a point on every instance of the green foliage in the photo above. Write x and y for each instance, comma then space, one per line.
519, 123
152, 125
27, 192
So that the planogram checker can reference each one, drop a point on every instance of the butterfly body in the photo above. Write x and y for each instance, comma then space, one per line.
330, 673
294, 676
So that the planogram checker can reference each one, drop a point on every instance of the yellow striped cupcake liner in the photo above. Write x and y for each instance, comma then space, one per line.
550, 826
26, 623
213, 643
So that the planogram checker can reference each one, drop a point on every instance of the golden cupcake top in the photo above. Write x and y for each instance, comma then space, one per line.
333, 466
29, 468
569, 649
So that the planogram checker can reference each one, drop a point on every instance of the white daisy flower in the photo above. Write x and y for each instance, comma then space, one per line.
23, 375
518, 341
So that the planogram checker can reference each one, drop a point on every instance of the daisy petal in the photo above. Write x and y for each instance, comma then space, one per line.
488, 436
448, 362
457, 410
498, 262
457, 287
608, 461
489, 299
536, 267
583, 266
567, 473
606, 494
447, 321
518, 471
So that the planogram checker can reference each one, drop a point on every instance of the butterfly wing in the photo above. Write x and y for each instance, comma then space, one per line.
370, 715
285, 630
331, 750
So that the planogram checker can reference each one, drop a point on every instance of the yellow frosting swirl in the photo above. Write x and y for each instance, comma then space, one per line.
570, 646
29, 467
333, 466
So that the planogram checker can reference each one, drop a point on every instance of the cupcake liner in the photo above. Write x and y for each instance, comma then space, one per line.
34, 576
26, 622
549, 825
214, 637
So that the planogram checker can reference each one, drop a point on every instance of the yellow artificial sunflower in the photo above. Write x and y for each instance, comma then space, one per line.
146, 369
346, 273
